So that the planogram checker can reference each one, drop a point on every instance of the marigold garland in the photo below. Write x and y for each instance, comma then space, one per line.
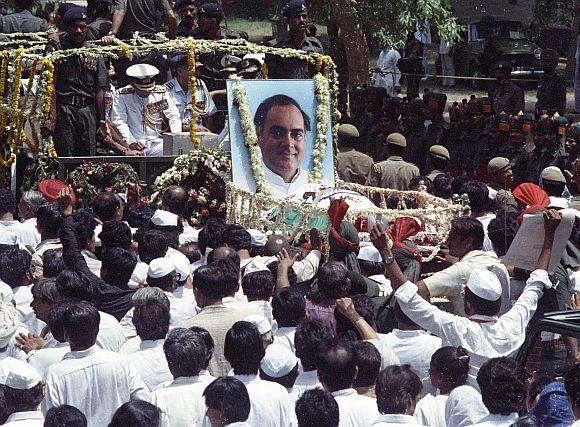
49, 89
264, 70
319, 63
193, 89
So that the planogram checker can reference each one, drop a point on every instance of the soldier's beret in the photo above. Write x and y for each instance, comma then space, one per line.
182, 3
74, 14
497, 164
397, 139
211, 10
294, 7
440, 151
553, 174
347, 131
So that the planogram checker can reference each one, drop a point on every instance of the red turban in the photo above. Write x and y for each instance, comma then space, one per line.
402, 229
533, 196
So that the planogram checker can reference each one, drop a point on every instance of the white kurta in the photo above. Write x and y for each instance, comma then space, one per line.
305, 269
285, 336
182, 403
493, 420
25, 419
44, 358
496, 337
31, 224
430, 410
305, 381
23, 298
110, 336
387, 62
127, 116
26, 235
270, 404
95, 381
281, 189
151, 363
355, 410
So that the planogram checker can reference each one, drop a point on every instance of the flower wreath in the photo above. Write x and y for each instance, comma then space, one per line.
89, 179
203, 173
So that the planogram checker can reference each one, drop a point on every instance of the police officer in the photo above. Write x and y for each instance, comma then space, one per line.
500, 179
507, 97
437, 161
394, 173
353, 166
296, 16
22, 20
79, 84
188, 12
141, 110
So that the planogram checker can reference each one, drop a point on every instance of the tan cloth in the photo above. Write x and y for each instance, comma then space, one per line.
504, 200
434, 173
392, 173
217, 320
354, 166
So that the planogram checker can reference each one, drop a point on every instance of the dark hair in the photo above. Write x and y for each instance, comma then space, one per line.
458, 183
572, 383
439, 162
481, 305
191, 251
365, 307
292, 278
23, 4
453, 363
80, 321
49, 218
14, 264
502, 381
105, 205
317, 408
229, 396
139, 216
288, 307
368, 361
152, 245
478, 194
175, 199
333, 280
55, 316
230, 266
116, 234
151, 319
84, 224
136, 413
64, 416
236, 236
502, 230
258, 285
186, 352
307, 339
336, 364
211, 235
442, 186
276, 101
119, 264
24, 400
553, 188
45, 290
421, 180
207, 340
397, 387
52, 263
401, 317
7, 202
71, 285
210, 280
243, 348
466, 227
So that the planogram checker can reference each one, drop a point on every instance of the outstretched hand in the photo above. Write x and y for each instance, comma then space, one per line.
379, 238
285, 260
552, 219
64, 200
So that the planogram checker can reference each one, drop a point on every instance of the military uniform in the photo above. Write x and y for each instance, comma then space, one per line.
182, 99
292, 68
77, 78
504, 199
551, 93
417, 146
184, 31
434, 174
394, 173
22, 21
99, 28
508, 98
353, 166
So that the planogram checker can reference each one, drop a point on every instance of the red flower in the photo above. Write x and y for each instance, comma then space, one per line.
317, 91
205, 213
107, 188
236, 102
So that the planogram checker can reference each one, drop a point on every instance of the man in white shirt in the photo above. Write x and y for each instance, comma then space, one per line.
48, 222
151, 319
258, 285
26, 236
317, 407
481, 208
95, 381
336, 371
181, 402
270, 403
502, 382
484, 335
308, 338
27, 207
289, 310
23, 393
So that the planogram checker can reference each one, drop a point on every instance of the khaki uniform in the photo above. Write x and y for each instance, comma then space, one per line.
392, 173
504, 200
433, 174
354, 166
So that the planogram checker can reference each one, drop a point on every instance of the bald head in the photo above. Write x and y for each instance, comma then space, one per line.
275, 244
175, 199
336, 364
221, 253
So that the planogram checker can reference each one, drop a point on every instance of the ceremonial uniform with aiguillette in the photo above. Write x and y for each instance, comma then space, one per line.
142, 119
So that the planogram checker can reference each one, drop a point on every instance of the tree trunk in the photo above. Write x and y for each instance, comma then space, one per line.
571, 57
355, 45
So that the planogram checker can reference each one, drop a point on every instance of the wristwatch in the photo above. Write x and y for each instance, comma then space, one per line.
389, 260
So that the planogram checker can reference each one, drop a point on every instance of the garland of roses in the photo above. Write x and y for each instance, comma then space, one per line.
203, 174
90, 179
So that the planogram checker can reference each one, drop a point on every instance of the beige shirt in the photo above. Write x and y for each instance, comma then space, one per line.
354, 166
394, 173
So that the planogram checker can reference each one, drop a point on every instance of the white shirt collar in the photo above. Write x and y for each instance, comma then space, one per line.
483, 317
279, 187
344, 392
151, 344
396, 419
247, 379
81, 353
25, 415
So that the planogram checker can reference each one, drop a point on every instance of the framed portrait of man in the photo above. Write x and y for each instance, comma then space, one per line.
284, 116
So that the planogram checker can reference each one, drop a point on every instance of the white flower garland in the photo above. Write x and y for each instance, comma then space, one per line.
322, 93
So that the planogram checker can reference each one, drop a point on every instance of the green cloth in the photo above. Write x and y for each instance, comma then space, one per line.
345, 255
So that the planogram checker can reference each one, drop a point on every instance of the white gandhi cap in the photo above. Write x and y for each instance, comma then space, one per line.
278, 361
18, 375
8, 323
484, 284
259, 322
369, 253
255, 266
160, 267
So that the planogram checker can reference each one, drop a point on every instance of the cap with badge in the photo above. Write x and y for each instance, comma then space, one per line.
278, 361
74, 14
177, 61
497, 164
503, 122
439, 150
503, 66
484, 284
164, 218
397, 139
18, 375
211, 10
435, 101
484, 105
293, 8
8, 323
160, 267
142, 75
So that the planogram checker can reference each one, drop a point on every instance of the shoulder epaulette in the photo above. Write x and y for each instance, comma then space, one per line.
169, 85
159, 89
376, 167
125, 90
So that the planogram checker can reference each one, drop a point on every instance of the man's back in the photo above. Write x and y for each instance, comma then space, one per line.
21, 22
392, 173
141, 15
95, 381
217, 320
355, 410
354, 166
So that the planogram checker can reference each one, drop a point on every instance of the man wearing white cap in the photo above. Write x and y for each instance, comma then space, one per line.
9, 327
280, 365
484, 335
23, 393
553, 182
140, 111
